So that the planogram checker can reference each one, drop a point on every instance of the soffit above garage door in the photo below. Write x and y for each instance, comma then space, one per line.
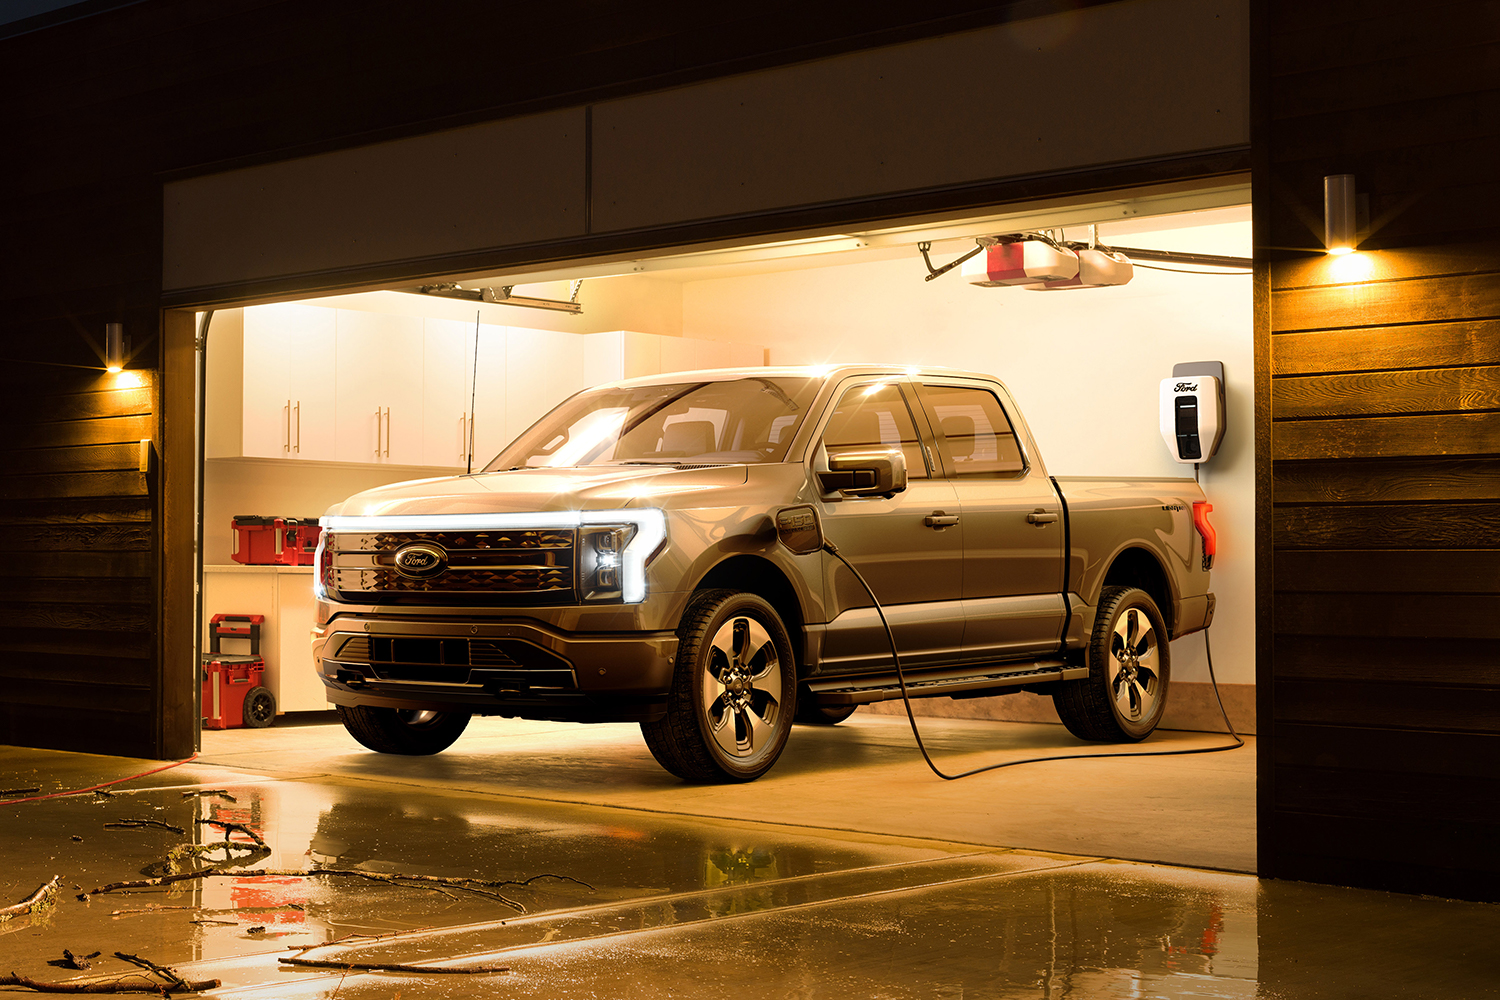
1101, 87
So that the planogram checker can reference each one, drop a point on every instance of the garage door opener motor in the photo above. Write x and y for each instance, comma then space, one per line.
800, 530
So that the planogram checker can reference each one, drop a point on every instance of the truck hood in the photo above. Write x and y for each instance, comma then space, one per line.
522, 490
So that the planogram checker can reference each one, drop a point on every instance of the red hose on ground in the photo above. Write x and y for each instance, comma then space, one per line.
103, 784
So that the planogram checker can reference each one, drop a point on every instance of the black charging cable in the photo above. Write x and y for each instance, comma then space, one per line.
832, 549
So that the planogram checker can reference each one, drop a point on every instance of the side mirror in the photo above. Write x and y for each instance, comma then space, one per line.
865, 472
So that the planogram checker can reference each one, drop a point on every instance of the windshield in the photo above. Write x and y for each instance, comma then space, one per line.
687, 423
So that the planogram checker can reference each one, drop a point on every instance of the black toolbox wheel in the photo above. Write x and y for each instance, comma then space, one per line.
260, 708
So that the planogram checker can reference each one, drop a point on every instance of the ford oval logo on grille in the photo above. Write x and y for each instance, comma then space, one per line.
420, 561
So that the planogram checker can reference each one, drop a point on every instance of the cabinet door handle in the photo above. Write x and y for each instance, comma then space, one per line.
387, 432
297, 412
287, 413
463, 437
1040, 516
377, 432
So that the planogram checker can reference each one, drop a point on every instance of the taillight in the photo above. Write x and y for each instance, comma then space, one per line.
1210, 538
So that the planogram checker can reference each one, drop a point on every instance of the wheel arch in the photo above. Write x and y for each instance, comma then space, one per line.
1138, 567
760, 576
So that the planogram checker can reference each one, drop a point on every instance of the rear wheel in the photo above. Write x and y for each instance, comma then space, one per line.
413, 733
1125, 693
733, 692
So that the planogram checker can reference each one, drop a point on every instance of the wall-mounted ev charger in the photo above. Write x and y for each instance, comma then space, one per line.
1192, 411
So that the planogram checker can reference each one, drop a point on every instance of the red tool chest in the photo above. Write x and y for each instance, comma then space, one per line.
233, 694
274, 541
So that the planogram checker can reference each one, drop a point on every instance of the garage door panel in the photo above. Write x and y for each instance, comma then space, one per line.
1030, 97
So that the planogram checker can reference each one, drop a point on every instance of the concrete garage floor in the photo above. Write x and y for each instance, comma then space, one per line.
849, 871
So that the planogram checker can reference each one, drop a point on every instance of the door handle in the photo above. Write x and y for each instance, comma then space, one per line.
378, 431
387, 432
937, 519
1040, 516
297, 412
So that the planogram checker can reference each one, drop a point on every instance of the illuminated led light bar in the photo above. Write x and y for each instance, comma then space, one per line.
650, 524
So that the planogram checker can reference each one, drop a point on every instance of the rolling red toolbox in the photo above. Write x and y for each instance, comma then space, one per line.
233, 695
274, 541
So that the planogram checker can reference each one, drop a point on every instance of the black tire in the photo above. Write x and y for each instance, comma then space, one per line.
810, 713
259, 710
734, 691
402, 731
1125, 693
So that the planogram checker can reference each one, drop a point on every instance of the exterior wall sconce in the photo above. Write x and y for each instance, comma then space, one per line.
1340, 211
114, 347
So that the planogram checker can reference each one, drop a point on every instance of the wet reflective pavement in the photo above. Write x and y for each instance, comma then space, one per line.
624, 898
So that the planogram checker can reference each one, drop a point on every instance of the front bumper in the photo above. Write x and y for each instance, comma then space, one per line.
511, 667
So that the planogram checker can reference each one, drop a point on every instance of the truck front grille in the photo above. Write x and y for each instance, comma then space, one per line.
476, 567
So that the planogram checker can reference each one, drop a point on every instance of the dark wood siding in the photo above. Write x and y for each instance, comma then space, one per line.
1380, 676
77, 545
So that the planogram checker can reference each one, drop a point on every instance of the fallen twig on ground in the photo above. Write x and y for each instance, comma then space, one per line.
118, 986
472, 970
229, 828
72, 961
170, 975
36, 899
222, 793
140, 824
149, 909
477, 886
19, 791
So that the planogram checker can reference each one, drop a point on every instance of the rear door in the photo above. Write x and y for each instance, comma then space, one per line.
1012, 519
912, 559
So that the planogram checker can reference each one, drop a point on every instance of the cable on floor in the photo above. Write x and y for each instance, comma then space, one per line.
104, 784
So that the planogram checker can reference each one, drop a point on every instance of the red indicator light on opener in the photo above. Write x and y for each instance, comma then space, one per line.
1210, 538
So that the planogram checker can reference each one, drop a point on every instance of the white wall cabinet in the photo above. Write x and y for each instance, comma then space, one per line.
542, 368
492, 431
448, 353
270, 384
378, 388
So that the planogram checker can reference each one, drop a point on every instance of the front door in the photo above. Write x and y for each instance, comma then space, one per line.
1013, 524
911, 558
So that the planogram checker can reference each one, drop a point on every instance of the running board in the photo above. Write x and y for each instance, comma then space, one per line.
934, 683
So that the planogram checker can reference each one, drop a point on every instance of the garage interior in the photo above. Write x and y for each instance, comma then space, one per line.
284, 440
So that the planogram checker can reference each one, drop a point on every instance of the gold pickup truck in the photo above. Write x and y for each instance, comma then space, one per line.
662, 550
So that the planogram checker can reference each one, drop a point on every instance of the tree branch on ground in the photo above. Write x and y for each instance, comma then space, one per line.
472, 970
140, 824
117, 986
39, 898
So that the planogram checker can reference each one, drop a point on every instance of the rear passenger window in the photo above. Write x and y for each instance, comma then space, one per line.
875, 416
976, 438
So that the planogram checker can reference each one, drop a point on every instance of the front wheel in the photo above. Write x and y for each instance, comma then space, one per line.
1125, 693
402, 731
733, 693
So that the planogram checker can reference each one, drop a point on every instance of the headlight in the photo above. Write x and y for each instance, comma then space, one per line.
601, 554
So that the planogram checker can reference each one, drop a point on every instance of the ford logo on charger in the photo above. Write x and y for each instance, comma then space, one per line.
420, 561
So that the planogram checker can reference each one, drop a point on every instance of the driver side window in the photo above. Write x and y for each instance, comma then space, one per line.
876, 416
